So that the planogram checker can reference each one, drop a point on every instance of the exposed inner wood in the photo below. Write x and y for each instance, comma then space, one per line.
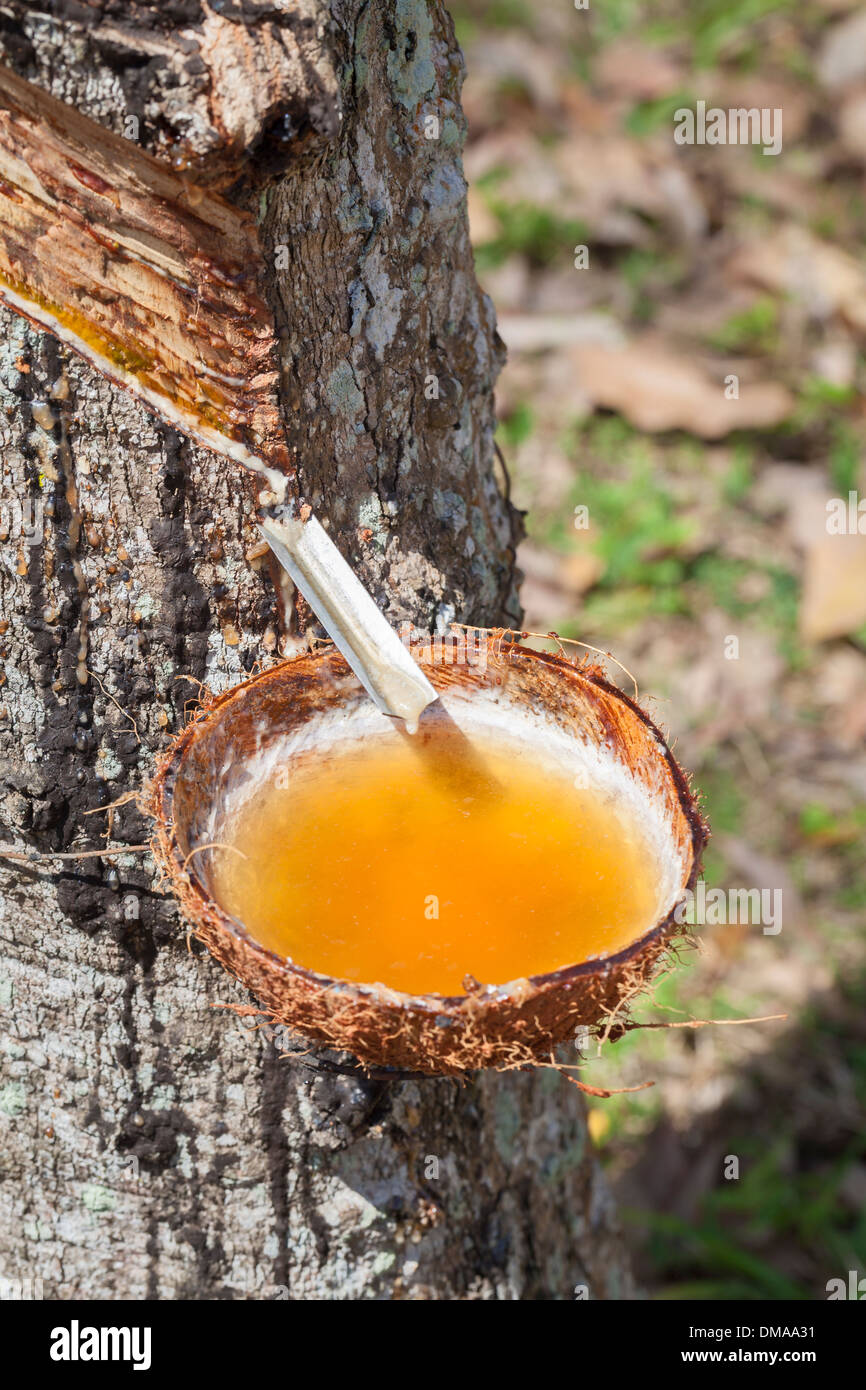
154, 279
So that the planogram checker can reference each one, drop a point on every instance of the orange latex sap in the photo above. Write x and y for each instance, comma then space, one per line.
377, 865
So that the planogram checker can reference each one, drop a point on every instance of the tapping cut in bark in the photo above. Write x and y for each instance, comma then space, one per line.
155, 280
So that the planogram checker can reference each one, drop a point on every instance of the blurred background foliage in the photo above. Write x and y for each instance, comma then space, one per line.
665, 516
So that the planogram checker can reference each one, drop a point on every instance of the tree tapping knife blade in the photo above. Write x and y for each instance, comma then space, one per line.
157, 282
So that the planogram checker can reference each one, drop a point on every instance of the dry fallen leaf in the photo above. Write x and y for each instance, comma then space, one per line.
833, 599
834, 587
657, 389
828, 281
483, 226
553, 584
613, 177
614, 184
716, 693
632, 69
852, 124
581, 569
842, 53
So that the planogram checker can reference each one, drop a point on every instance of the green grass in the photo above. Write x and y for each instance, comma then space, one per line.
508, 14
726, 28
816, 819
643, 535
788, 1194
818, 398
843, 461
740, 475
640, 532
650, 275
614, 18
657, 114
516, 427
841, 836
471, 17
724, 799
830, 414
754, 330
637, 532
536, 233
732, 1272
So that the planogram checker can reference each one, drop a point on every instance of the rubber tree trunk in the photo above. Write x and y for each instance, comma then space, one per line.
153, 1145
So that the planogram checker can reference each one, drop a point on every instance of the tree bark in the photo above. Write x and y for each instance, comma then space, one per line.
154, 1146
